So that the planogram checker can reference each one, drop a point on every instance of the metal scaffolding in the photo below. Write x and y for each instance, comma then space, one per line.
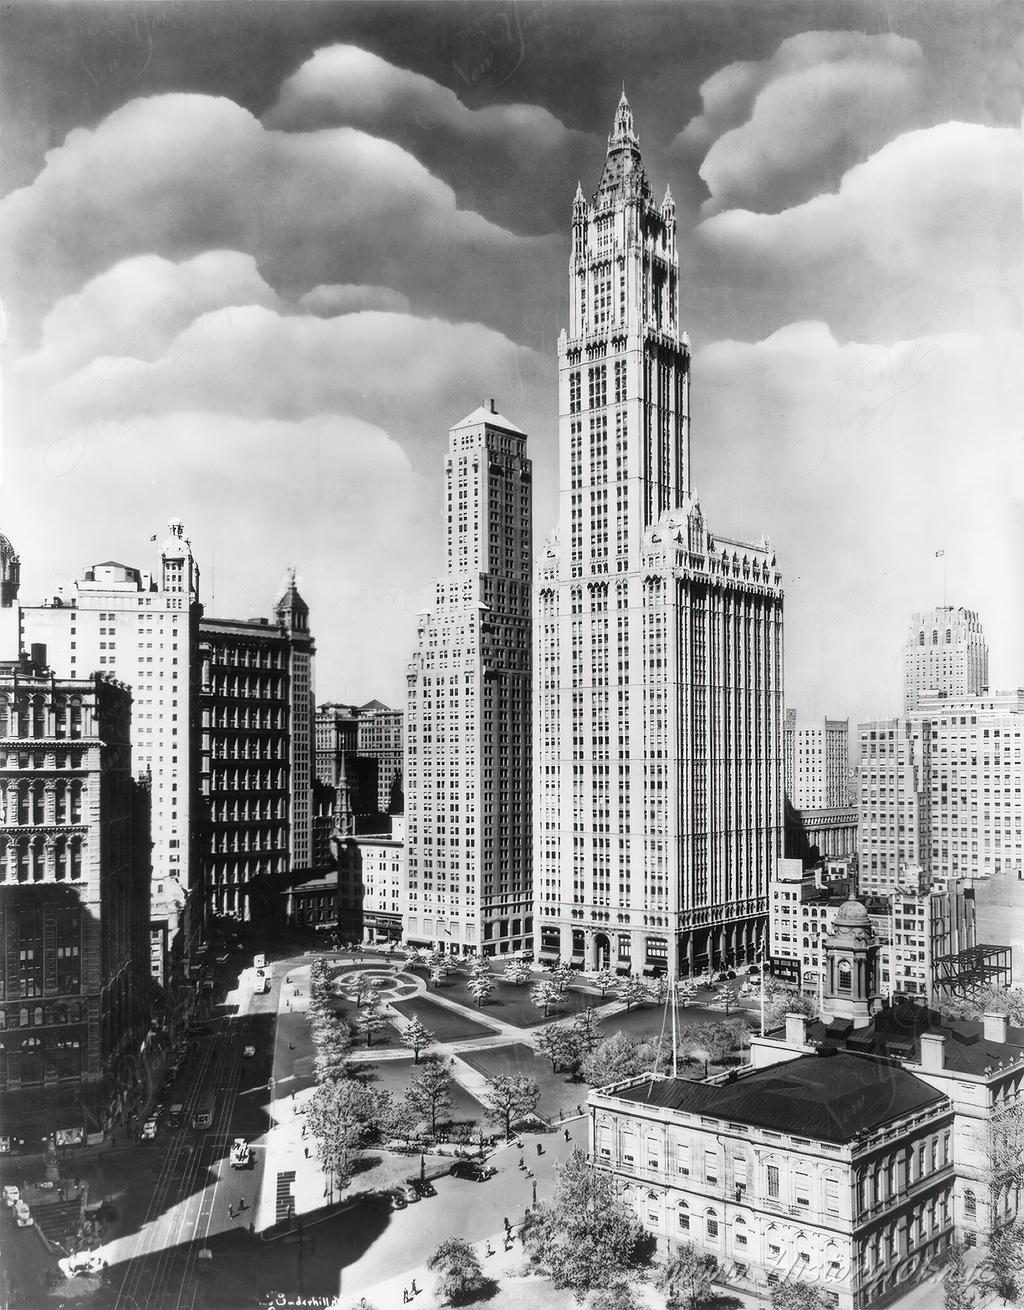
968, 973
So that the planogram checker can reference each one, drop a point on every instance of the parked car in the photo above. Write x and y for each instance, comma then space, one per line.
407, 1192
472, 1169
176, 1114
422, 1186
149, 1130
241, 1156
223, 958
398, 1201
12, 1195
248, 1051
22, 1214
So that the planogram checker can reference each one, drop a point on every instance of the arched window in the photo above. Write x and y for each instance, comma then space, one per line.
683, 1216
935, 637
37, 1016
970, 1205
23, 1017
740, 1231
949, 636
845, 976
920, 638
711, 1224
3, 1019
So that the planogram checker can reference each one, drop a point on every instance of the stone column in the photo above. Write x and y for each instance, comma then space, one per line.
565, 942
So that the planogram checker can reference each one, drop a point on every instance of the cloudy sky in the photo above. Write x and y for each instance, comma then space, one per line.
257, 258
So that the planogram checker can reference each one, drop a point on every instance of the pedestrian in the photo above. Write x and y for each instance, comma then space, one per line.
540, 1149
579, 1108
405, 1296
241, 1205
414, 1289
231, 1211
566, 1131
490, 1249
252, 1226
303, 1130
506, 1223
306, 1149
291, 1046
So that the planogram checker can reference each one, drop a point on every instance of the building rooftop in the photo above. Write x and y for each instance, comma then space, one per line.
490, 416
830, 1099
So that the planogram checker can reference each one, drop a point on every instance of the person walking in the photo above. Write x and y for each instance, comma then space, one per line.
540, 1149
566, 1131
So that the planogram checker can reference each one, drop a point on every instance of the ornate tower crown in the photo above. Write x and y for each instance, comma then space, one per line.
623, 170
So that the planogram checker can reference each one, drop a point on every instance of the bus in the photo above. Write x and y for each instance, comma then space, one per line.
202, 1115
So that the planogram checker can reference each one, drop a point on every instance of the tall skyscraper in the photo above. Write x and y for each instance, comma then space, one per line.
945, 654
255, 763
817, 763
467, 791
658, 704
142, 629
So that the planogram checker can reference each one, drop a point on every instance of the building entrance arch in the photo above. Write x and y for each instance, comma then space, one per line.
602, 951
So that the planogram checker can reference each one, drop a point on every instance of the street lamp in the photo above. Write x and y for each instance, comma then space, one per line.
535, 1193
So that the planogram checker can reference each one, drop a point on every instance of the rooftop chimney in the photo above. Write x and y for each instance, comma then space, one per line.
796, 1029
995, 1027
933, 1052
491, 406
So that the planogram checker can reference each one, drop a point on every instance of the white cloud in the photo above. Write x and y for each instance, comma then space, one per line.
922, 237
862, 461
327, 301
177, 175
779, 130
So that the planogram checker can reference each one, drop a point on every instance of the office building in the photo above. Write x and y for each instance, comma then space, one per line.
74, 906
467, 774
817, 763
380, 733
941, 792
256, 757
917, 932
369, 741
945, 655
142, 629
658, 704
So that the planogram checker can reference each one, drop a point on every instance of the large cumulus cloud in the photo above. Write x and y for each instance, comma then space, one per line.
480, 151
177, 175
923, 236
777, 131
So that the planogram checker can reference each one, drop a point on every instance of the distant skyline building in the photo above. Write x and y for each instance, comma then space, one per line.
255, 757
369, 741
945, 654
381, 745
467, 773
658, 787
817, 763
142, 629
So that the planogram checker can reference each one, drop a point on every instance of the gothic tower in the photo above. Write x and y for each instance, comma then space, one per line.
658, 646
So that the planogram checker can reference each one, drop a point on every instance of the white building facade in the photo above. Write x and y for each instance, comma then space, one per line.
142, 629
945, 653
467, 760
658, 700
817, 763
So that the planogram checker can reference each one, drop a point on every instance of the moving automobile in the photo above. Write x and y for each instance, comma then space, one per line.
398, 1201
248, 1051
472, 1169
175, 1114
149, 1130
12, 1195
407, 1192
22, 1214
241, 1157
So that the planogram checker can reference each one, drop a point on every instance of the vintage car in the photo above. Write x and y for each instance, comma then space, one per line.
241, 1156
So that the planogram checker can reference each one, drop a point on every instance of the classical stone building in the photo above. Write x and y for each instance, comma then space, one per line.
142, 629
74, 901
467, 775
256, 749
945, 654
658, 803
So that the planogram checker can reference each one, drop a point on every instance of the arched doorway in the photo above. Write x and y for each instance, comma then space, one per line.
602, 951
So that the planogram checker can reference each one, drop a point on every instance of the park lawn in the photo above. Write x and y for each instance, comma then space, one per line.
386, 1037
558, 1093
446, 1025
394, 1076
512, 1004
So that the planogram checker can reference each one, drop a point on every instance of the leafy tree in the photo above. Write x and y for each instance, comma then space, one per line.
561, 1045
481, 986
797, 1296
479, 966
517, 972
333, 1044
459, 1275
417, 1036
561, 976
429, 1091
605, 982
587, 1237
780, 1001
1002, 1263
617, 1296
436, 974
715, 1040
342, 1116
726, 997
371, 1018
957, 1294
633, 991
510, 1098
687, 993
365, 988
587, 1028
657, 990
685, 1278
1003, 1145
545, 995
439, 960
992, 1000
655, 1055
615, 1058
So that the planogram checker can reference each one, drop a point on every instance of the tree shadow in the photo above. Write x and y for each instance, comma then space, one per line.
486, 1290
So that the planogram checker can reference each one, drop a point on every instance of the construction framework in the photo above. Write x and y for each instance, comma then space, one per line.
968, 973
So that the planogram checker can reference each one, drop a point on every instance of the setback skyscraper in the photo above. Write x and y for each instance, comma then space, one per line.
467, 792
658, 702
